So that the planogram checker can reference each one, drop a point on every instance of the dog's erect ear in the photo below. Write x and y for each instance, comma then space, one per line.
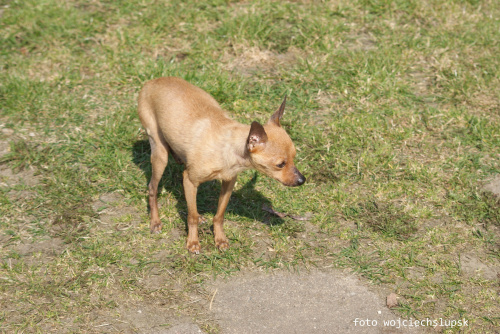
257, 137
275, 118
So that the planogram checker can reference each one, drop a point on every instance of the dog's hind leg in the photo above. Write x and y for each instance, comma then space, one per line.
159, 159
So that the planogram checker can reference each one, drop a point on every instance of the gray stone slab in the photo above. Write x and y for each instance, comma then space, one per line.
319, 302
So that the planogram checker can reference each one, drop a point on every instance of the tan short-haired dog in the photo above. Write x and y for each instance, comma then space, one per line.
187, 122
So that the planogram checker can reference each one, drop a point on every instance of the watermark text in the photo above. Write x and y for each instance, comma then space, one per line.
407, 323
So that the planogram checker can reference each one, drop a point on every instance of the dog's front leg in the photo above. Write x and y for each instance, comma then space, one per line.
221, 241
190, 190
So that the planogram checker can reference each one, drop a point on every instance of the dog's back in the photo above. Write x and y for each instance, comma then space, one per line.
179, 113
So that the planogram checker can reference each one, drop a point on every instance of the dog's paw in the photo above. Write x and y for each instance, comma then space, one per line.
155, 228
194, 247
222, 244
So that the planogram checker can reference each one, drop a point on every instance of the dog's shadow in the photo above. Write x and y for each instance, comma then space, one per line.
245, 201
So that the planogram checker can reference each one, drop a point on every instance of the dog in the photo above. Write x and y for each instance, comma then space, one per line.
187, 122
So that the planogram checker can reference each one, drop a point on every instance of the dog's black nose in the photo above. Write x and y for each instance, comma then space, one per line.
301, 179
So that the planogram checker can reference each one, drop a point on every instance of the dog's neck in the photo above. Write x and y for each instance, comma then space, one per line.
235, 153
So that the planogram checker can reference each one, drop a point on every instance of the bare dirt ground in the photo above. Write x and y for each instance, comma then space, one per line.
316, 302
493, 186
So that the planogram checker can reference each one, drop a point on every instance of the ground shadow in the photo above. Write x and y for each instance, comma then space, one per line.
245, 201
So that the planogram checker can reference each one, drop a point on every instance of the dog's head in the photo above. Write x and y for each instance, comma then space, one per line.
272, 151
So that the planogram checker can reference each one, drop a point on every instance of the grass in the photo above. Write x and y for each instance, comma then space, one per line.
393, 107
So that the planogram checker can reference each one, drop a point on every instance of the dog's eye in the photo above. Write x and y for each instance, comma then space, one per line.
281, 165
